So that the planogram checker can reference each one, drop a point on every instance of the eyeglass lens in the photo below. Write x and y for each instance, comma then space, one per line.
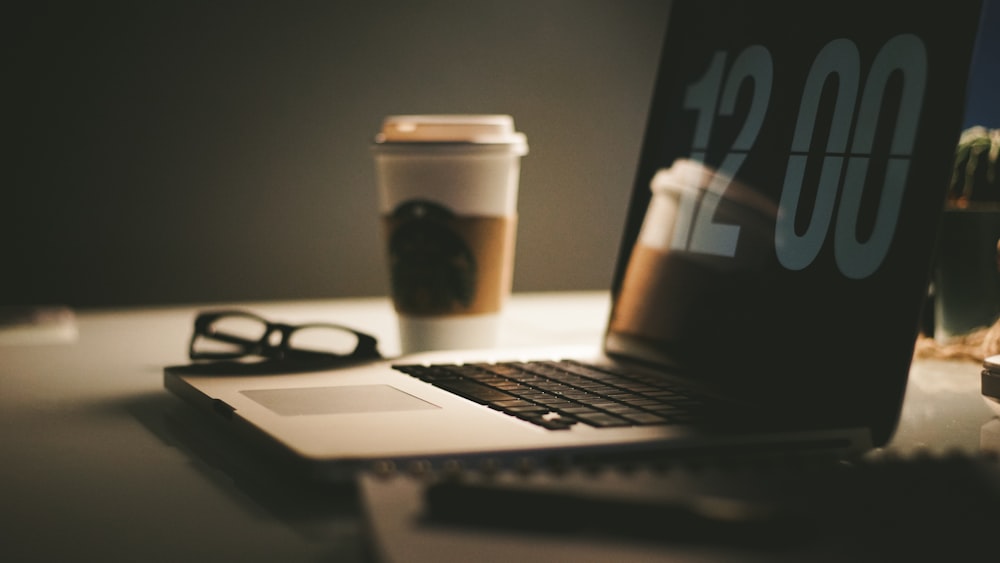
229, 335
247, 328
233, 332
323, 338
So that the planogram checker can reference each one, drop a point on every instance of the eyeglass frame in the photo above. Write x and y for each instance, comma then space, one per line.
366, 348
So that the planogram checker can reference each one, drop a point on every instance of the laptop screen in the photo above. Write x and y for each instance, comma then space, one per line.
782, 220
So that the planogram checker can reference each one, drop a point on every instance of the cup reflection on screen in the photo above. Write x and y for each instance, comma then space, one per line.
700, 249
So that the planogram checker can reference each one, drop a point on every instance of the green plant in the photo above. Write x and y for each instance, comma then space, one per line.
974, 175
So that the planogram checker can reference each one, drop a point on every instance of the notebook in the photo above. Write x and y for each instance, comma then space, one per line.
891, 507
770, 281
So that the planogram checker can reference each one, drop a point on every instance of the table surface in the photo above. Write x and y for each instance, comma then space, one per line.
101, 463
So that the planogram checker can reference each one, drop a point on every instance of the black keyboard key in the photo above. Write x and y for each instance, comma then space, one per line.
552, 424
474, 391
602, 420
643, 418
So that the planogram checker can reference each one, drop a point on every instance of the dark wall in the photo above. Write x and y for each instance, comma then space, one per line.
193, 151
210, 151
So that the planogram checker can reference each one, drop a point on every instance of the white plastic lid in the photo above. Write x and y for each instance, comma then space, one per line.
683, 174
487, 129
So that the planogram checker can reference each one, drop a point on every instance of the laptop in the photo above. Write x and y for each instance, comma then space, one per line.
769, 288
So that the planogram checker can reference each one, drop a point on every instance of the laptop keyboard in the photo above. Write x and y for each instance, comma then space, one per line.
558, 394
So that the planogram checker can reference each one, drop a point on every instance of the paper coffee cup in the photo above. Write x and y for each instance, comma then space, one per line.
447, 187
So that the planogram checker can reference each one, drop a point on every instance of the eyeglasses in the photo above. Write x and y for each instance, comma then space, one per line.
230, 335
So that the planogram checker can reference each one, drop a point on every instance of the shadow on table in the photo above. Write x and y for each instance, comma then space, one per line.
317, 511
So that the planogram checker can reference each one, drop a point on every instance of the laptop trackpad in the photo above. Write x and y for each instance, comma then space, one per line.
337, 400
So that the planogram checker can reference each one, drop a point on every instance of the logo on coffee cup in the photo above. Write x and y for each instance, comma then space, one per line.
433, 270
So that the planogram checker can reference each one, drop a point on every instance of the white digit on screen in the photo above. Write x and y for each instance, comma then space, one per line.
857, 259
701, 96
754, 64
839, 59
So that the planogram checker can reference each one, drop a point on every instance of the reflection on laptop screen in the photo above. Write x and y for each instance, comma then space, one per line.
786, 203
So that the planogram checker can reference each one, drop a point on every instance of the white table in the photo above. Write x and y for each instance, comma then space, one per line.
100, 463
96, 465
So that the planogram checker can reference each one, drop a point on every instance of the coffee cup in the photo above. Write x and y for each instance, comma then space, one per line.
447, 192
